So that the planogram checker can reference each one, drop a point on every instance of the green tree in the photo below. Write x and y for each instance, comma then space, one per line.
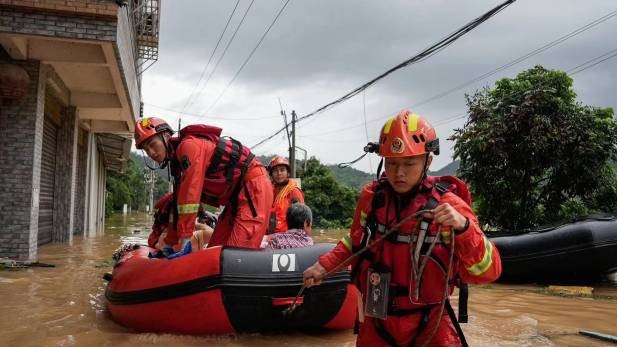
333, 204
533, 155
126, 188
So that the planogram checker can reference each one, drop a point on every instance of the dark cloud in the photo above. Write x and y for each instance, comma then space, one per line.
319, 50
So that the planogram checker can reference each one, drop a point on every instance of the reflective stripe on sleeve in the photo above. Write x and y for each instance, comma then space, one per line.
483, 265
363, 216
346, 240
188, 208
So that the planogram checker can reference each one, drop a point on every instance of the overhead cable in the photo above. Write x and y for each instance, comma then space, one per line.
519, 59
203, 72
233, 36
419, 57
211, 117
248, 57
501, 68
593, 62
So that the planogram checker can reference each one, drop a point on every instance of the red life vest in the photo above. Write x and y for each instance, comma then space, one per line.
228, 165
395, 253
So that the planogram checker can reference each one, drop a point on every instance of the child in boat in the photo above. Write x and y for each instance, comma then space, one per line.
300, 221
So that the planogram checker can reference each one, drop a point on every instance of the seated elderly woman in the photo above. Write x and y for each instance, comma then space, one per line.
299, 221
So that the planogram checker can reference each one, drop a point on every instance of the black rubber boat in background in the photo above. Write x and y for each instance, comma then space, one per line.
569, 253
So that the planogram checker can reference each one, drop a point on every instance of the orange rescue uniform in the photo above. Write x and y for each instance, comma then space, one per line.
242, 229
476, 260
285, 195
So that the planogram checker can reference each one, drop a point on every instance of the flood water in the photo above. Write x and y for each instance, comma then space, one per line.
65, 306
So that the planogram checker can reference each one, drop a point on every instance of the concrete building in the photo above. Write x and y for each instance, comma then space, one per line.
70, 92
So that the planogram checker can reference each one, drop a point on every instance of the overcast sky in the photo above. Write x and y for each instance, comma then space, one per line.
319, 50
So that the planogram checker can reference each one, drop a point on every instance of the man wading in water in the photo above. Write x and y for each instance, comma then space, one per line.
406, 279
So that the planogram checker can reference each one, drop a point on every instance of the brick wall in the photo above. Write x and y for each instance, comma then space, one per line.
66, 164
95, 8
54, 25
21, 138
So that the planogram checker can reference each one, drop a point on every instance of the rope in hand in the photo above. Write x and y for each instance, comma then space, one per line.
288, 311
445, 292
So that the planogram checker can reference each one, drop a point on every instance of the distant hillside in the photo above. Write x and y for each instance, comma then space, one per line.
448, 170
350, 176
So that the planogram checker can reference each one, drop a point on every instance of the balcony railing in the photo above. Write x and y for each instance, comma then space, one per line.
145, 18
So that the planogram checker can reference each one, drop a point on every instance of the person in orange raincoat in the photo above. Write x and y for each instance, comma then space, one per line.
286, 192
406, 279
214, 170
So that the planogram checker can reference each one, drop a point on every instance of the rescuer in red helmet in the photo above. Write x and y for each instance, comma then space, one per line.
214, 170
407, 277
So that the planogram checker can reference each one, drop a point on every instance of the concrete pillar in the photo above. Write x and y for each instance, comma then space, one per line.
21, 139
66, 176
91, 185
101, 191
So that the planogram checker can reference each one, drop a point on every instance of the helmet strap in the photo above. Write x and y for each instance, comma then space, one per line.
146, 163
379, 167
165, 162
167, 150
425, 169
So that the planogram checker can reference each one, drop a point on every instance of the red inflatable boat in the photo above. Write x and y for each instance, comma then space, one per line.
225, 290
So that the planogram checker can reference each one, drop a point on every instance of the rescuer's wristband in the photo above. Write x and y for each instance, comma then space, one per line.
458, 232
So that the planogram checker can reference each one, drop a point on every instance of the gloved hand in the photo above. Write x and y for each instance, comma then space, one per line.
163, 252
186, 249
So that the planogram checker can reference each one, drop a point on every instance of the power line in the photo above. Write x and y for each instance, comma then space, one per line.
586, 65
214, 118
574, 70
419, 57
519, 59
370, 161
501, 68
203, 72
249, 56
233, 36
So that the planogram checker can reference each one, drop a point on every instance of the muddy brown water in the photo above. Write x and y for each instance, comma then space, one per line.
65, 306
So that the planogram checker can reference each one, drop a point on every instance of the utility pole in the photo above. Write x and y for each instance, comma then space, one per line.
151, 180
292, 150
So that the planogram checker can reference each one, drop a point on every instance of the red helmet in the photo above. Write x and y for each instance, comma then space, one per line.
276, 161
148, 127
407, 134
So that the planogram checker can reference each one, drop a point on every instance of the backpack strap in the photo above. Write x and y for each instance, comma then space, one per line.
218, 155
234, 194
234, 158
455, 322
